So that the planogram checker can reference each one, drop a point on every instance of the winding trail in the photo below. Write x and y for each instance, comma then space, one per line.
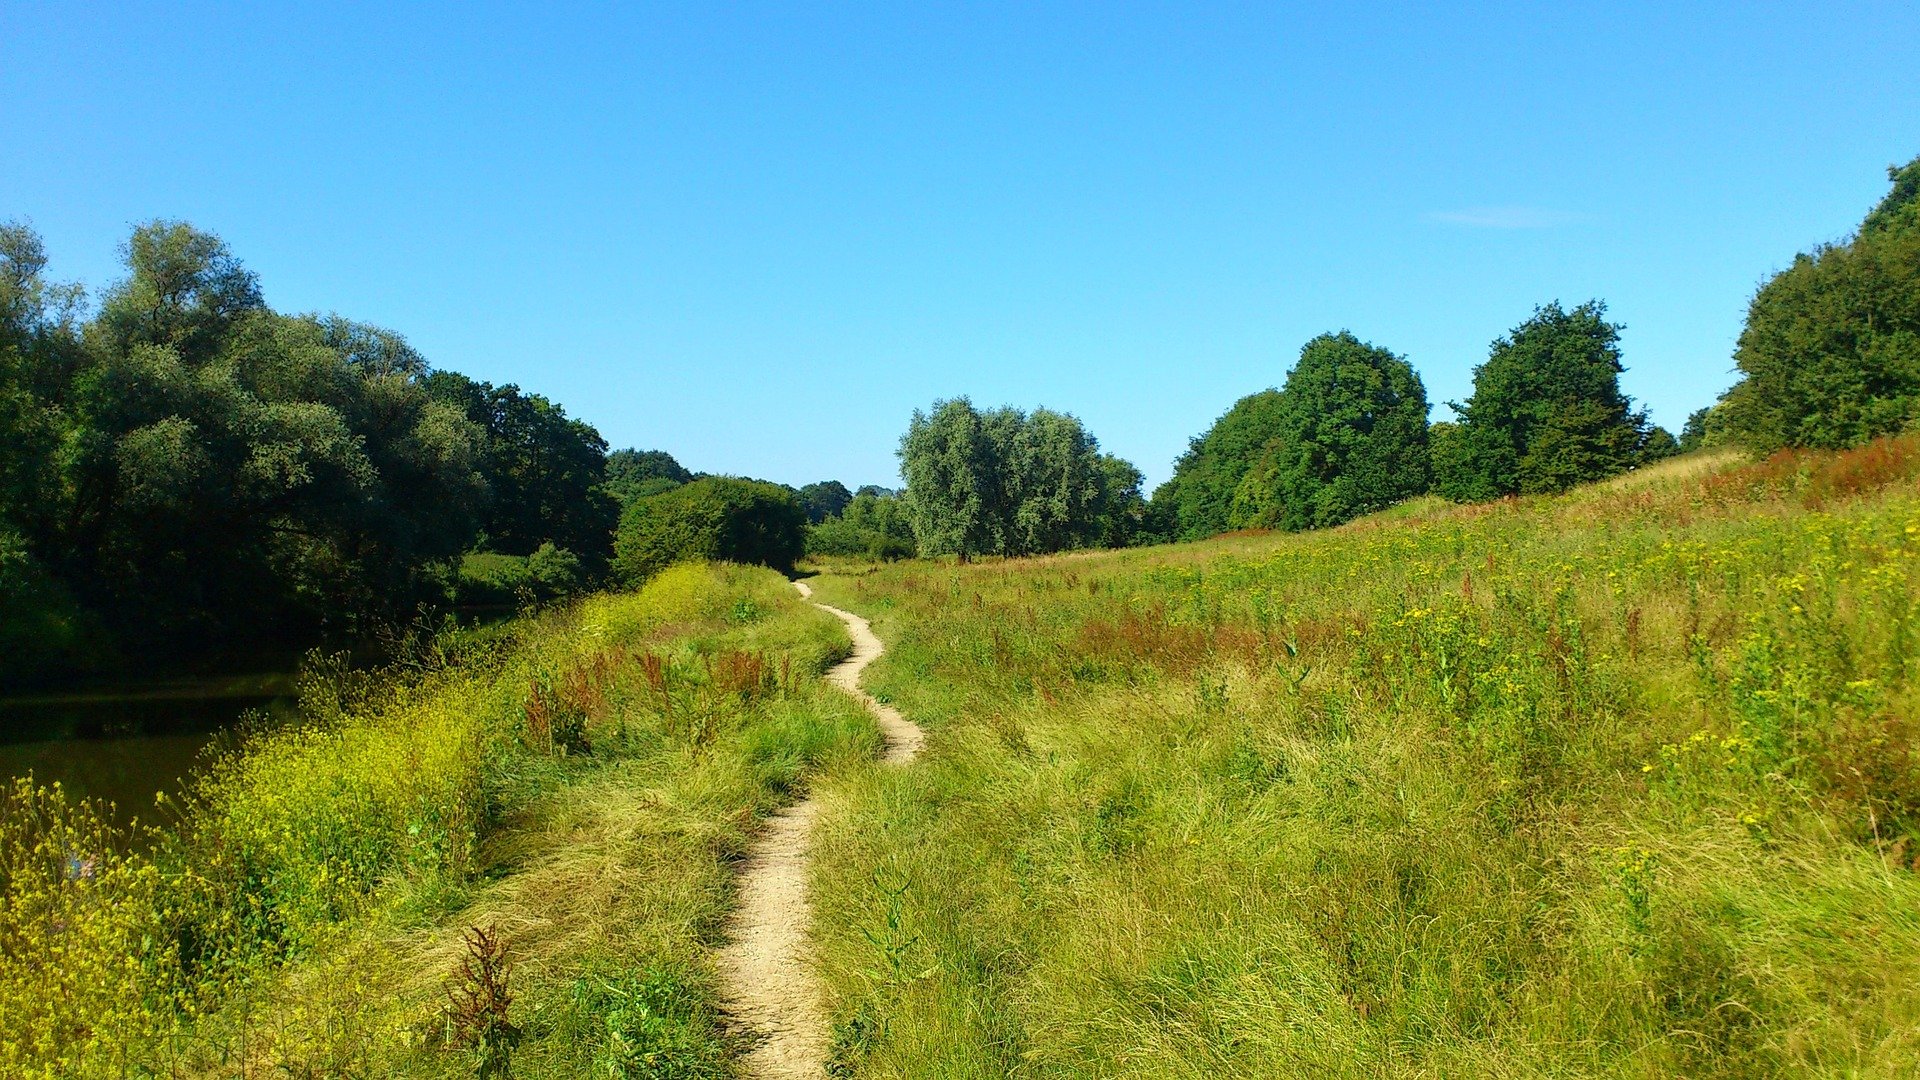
768, 988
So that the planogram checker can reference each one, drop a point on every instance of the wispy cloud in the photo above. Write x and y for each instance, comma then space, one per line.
1505, 217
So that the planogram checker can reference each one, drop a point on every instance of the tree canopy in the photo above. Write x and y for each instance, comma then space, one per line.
872, 525
1351, 439
1007, 482
1547, 411
1198, 501
634, 474
824, 499
1830, 355
190, 474
543, 471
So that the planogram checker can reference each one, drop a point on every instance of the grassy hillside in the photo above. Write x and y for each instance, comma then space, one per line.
1615, 783
574, 789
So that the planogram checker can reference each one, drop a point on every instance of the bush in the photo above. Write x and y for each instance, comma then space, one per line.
871, 526
42, 630
718, 517
1198, 501
488, 579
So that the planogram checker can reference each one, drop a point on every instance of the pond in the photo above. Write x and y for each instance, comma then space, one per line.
126, 742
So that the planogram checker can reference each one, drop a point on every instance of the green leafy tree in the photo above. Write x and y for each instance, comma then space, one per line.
1352, 440
1120, 519
222, 476
1694, 434
1052, 483
1658, 445
953, 472
874, 526
1006, 482
824, 500
1547, 411
544, 471
1198, 501
1830, 355
715, 517
39, 351
635, 474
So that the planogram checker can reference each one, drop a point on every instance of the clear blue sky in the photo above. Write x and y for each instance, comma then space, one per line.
759, 236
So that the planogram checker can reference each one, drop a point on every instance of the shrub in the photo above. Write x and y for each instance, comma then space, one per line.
870, 526
718, 517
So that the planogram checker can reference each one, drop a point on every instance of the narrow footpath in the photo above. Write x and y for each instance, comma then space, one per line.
768, 987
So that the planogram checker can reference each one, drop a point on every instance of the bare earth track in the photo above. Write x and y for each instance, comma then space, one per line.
768, 988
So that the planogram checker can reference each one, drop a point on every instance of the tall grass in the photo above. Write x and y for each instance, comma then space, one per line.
1619, 783
568, 795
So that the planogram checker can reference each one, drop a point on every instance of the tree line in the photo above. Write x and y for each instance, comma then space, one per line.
190, 475
191, 478
1347, 434
1829, 358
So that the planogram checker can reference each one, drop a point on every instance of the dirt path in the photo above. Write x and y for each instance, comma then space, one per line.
767, 987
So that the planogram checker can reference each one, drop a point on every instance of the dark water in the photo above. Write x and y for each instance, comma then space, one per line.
125, 743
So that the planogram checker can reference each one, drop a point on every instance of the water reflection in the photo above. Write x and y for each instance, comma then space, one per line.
124, 743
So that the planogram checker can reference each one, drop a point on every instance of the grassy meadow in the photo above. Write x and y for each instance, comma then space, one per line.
509, 858
1615, 783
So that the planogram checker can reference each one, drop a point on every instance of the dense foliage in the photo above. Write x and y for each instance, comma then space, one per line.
203, 476
544, 472
872, 526
1198, 501
1007, 482
1547, 412
1351, 439
825, 499
714, 517
1830, 355
635, 474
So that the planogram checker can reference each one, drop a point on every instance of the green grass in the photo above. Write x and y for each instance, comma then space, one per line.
1620, 783
306, 914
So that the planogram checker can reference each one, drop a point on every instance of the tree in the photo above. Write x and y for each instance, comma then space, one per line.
1694, 434
874, 526
1352, 439
824, 499
1547, 411
1007, 482
184, 292
1658, 445
1830, 355
1120, 517
1198, 500
635, 474
716, 517
205, 476
1052, 483
544, 471
952, 468
39, 351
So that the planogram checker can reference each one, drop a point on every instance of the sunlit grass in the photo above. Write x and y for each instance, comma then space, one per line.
578, 786
1617, 783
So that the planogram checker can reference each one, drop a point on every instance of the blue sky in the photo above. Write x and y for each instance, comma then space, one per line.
760, 236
